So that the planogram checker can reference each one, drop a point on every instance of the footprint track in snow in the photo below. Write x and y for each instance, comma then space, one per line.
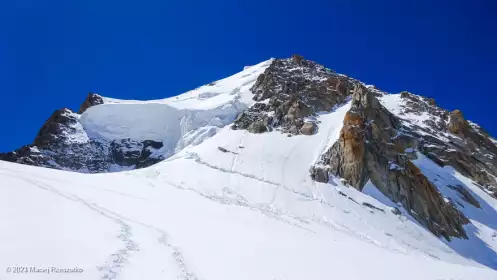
117, 260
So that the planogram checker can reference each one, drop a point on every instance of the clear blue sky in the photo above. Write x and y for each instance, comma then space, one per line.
52, 53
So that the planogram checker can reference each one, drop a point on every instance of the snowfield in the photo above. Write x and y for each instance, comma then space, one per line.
226, 204
183, 219
177, 122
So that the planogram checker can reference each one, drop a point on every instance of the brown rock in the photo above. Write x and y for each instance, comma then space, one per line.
431, 101
457, 123
338, 85
369, 148
297, 58
349, 151
92, 99
309, 128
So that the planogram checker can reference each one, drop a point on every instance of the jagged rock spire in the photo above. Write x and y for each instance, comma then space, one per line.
371, 148
91, 100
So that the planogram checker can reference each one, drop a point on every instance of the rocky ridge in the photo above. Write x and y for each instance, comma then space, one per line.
376, 144
62, 143
449, 139
289, 91
371, 147
382, 136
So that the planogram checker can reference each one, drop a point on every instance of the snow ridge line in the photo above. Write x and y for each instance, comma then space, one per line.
117, 260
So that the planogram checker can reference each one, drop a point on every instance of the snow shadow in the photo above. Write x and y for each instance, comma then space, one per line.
481, 245
481, 232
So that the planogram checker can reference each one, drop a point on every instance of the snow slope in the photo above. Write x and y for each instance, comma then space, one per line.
226, 204
178, 121
249, 213
126, 225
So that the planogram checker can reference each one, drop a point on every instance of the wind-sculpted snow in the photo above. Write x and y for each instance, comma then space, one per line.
174, 128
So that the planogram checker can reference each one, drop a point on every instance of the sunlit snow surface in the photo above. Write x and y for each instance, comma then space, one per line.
251, 212
187, 119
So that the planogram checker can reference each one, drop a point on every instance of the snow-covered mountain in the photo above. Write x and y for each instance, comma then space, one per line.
286, 170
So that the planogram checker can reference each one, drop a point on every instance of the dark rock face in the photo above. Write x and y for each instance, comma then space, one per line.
370, 147
289, 91
465, 195
62, 143
91, 100
130, 153
257, 127
60, 125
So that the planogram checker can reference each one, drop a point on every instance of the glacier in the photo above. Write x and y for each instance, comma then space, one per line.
227, 204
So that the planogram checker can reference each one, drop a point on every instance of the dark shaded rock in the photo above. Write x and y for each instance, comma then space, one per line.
319, 174
62, 143
61, 121
369, 205
257, 127
131, 153
92, 99
396, 211
448, 139
405, 94
465, 195
222, 149
409, 186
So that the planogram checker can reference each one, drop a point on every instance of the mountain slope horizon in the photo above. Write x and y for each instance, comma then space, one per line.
286, 157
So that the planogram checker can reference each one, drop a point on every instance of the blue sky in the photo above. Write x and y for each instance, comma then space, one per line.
52, 53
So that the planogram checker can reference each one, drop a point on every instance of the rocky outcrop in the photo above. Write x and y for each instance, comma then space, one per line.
92, 99
309, 128
348, 154
372, 147
374, 143
457, 122
289, 91
57, 128
258, 127
62, 143
465, 195
449, 139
